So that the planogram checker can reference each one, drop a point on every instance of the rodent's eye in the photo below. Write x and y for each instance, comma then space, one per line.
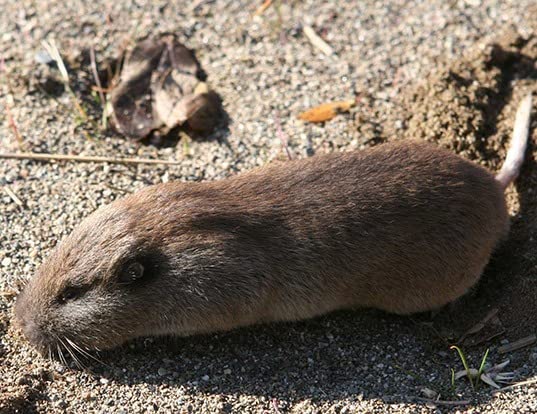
70, 293
131, 273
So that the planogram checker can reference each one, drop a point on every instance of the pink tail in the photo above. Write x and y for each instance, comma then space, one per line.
517, 149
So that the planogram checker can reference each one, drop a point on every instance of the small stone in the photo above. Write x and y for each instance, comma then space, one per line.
205, 378
23, 380
428, 393
227, 371
104, 381
43, 57
162, 371
6, 261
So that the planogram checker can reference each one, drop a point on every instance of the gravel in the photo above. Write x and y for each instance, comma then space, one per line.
266, 72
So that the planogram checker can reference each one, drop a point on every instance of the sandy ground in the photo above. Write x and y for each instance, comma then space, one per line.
449, 72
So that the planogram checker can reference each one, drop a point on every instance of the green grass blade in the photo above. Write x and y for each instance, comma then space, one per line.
482, 366
464, 363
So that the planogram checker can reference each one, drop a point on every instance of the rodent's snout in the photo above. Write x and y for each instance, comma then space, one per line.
28, 325
21, 321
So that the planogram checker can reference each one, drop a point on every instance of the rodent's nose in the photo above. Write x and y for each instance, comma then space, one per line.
28, 325
19, 311
33, 333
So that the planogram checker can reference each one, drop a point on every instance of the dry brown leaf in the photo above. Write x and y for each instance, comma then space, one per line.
326, 111
521, 343
202, 110
261, 9
160, 88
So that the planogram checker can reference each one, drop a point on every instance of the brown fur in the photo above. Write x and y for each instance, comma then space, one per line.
403, 227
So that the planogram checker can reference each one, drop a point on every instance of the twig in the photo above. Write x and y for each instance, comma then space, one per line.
443, 402
521, 343
11, 119
282, 136
54, 53
13, 125
480, 325
517, 384
317, 41
99, 86
14, 197
82, 158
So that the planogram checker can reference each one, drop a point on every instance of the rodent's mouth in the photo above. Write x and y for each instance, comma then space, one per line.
65, 349
53, 345
60, 334
44, 344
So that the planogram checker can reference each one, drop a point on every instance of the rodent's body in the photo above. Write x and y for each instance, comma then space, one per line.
403, 227
397, 227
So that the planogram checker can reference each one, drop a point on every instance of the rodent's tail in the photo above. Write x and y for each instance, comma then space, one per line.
517, 148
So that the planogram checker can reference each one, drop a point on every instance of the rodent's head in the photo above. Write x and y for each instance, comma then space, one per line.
102, 285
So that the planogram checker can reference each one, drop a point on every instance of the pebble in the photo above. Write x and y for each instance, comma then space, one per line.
43, 57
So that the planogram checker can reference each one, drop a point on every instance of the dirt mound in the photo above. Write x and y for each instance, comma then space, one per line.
468, 106
459, 105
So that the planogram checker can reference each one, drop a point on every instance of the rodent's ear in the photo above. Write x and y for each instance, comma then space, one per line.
132, 272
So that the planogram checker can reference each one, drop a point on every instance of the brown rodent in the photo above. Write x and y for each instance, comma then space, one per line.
404, 227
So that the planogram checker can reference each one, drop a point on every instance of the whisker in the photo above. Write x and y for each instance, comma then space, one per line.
76, 349
85, 353
61, 345
71, 352
60, 354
